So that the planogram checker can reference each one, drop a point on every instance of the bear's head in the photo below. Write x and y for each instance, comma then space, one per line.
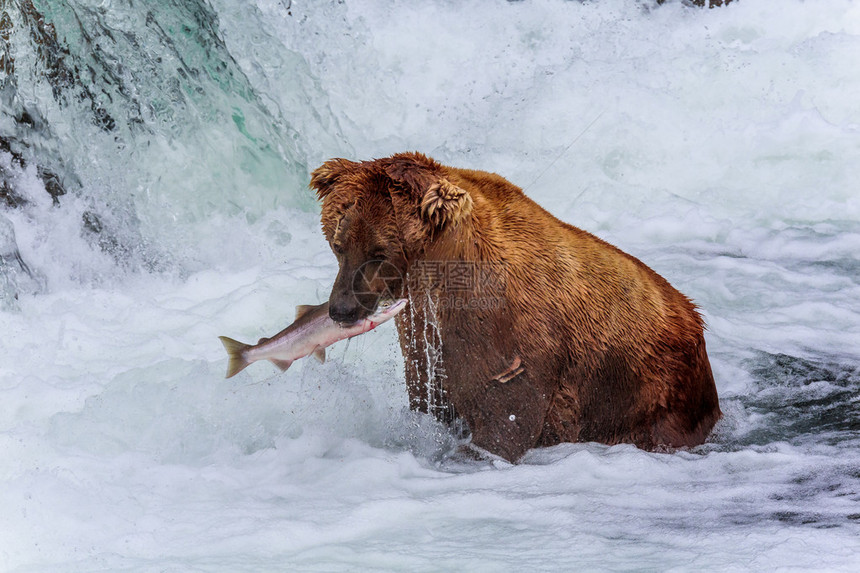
379, 217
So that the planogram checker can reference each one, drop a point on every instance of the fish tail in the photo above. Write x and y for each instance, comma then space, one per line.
236, 352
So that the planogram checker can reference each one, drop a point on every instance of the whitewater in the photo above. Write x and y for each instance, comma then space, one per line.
154, 162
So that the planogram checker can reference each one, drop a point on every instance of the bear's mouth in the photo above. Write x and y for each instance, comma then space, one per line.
352, 316
385, 309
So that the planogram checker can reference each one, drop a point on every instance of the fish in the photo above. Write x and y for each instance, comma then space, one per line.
311, 332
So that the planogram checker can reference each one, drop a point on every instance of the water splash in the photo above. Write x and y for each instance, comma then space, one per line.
141, 126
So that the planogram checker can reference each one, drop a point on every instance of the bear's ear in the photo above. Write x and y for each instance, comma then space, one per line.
326, 175
445, 204
441, 202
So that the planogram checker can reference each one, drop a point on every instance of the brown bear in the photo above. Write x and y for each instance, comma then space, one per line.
530, 330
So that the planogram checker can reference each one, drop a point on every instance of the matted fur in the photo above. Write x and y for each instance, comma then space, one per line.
445, 204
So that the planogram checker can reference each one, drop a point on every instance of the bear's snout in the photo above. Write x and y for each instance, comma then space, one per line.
344, 303
345, 311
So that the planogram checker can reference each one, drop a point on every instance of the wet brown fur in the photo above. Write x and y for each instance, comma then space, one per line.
608, 350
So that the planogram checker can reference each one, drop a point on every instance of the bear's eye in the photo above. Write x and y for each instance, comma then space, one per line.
377, 255
337, 248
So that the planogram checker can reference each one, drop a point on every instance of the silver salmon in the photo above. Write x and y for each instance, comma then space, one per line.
312, 331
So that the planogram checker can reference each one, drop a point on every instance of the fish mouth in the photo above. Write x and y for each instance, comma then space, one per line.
388, 308
384, 310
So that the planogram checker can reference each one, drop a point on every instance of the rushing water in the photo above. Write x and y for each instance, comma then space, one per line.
154, 158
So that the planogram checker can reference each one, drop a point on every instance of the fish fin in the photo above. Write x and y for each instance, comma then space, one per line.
236, 352
319, 354
282, 364
262, 340
303, 309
